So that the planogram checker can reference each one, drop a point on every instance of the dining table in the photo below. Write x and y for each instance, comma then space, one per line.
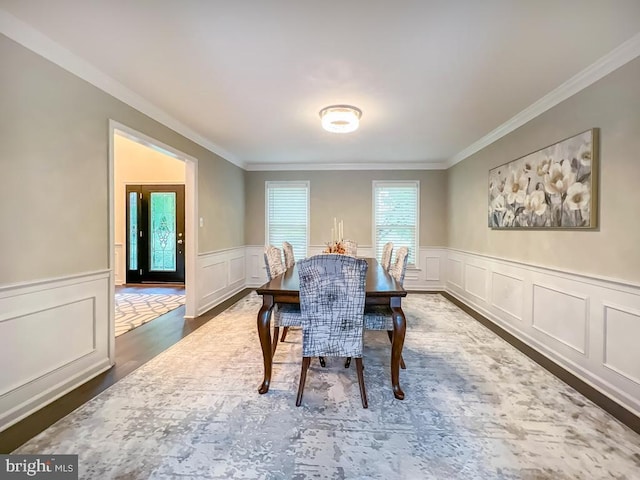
381, 289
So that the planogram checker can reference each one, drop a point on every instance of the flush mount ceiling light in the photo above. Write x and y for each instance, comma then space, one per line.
340, 118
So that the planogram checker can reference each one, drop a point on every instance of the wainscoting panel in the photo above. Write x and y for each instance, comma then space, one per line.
588, 325
254, 261
561, 315
454, 271
507, 294
236, 270
432, 268
36, 329
429, 274
221, 274
55, 335
475, 281
621, 342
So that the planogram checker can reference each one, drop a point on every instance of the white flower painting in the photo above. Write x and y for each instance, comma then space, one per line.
551, 188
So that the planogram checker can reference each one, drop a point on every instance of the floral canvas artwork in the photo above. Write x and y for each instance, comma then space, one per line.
554, 187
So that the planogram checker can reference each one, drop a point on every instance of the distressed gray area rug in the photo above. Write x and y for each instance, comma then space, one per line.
135, 309
475, 408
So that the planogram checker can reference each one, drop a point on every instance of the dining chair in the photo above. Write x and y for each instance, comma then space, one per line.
350, 247
332, 299
289, 259
284, 315
387, 251
289, 262
380, 317
399, 267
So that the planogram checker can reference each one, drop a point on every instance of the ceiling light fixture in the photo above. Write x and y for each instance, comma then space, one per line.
340, 118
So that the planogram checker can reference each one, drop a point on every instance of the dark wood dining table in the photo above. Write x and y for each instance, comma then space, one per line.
381, 289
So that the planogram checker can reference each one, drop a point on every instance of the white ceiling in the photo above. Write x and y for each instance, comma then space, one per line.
248, 78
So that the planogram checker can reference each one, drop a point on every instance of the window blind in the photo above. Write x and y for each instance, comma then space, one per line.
287, 215
396, 214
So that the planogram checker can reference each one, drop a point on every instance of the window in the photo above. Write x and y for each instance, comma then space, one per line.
287, 215
395, 216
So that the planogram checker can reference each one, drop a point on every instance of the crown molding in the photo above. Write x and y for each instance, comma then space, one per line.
273, 167
39, 43
615, 59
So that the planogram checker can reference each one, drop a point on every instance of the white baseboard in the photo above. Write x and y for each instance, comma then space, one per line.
55, 334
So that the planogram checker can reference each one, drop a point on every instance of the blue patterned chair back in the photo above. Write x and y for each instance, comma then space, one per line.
350, 247
273, 261
399, 268
332, 298
289, 259
387, 251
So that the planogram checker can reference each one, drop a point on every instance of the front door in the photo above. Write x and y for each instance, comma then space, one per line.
155, 233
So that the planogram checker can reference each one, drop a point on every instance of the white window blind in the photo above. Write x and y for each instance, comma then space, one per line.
287, 215
395, 215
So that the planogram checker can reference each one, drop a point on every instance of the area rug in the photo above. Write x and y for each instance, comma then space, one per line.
135, 309
475, 408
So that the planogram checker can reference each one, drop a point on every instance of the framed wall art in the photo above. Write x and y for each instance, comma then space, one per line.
554, 187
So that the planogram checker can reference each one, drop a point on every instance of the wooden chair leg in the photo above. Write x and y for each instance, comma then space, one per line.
274, 342
402, 365
363, 391
284, 333
303, 377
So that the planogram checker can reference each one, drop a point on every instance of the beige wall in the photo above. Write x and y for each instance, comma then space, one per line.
135, 163
221, 190
53, 172
613, 250
348, 195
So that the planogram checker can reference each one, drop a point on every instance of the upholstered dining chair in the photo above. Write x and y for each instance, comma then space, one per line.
289, 259
350, 247
379, 317
289, 262
283, 315
399, 268
387, 251
332, 298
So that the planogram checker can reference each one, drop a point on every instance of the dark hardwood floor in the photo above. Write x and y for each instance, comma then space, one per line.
133, 349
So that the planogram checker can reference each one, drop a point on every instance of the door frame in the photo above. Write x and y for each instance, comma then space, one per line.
190, 219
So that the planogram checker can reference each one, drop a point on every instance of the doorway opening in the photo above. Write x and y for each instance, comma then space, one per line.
153, 231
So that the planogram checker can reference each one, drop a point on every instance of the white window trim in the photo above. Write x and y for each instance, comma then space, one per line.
397, 183
286, 183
